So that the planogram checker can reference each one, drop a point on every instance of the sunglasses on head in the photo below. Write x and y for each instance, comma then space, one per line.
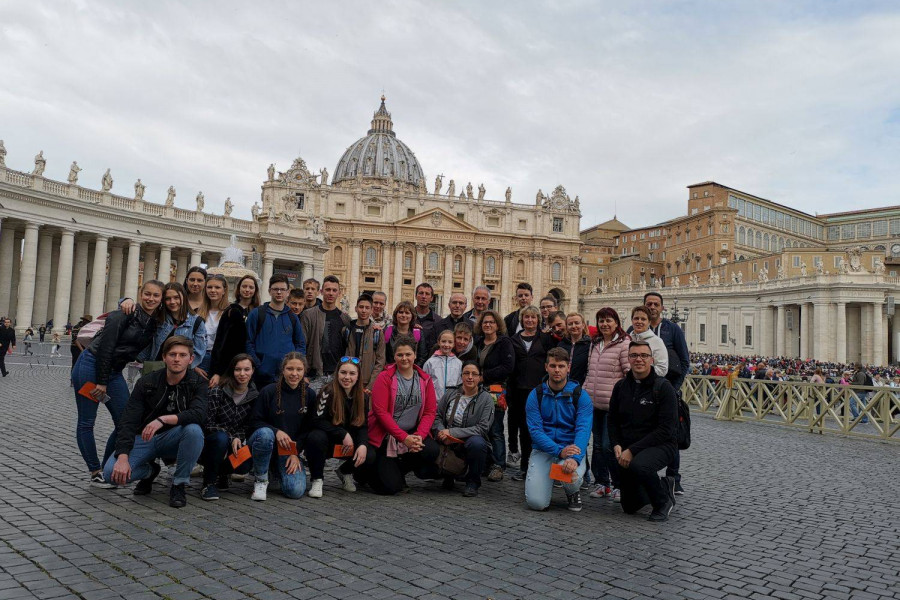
350, 359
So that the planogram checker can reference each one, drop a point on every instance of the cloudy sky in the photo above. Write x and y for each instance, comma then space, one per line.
623, 103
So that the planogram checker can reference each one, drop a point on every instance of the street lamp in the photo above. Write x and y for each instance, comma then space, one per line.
675, 315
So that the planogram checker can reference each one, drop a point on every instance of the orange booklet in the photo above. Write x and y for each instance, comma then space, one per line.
86, 390
339, 452
290, 452
241, 457
557, 473
453, 440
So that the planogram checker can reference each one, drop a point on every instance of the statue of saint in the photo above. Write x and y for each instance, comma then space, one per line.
481, 191
138, 190
451, 189
2, 154
438, 182
469, 191
271, 171
740, 277
879, 267
170, 198
40, 163
779, 273
803, 269
324, 173
820, 268
73, 173
539, 199
107, 181
229, 206
509, 194
201, 201
254, 210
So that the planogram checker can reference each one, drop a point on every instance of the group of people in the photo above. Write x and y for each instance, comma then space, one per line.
275, 389
791, 369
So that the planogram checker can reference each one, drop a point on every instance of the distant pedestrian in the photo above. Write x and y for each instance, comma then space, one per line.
29, 337
42, 331
54, 351
7, 343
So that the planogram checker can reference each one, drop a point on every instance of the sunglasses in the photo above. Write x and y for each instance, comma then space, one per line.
350, 359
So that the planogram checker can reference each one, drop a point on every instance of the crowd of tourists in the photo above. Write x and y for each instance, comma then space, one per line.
794, 369
274, 390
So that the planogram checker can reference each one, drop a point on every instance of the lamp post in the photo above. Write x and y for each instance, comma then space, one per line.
676, 315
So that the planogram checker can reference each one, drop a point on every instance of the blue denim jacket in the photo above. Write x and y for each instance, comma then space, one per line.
186, 329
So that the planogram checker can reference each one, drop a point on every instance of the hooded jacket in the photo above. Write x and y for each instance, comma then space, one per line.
384, 396
477, 418
323, 419
445, 373
231, 338
371, 354
607, 364
657, 348
555, 423
280, 333
313, 322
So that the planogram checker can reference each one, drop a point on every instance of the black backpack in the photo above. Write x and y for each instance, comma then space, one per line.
576, 395
683, 424
869, 379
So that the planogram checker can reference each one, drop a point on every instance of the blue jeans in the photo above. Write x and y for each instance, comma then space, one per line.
539, 486
262, 447
476, 451
498, 441
216, 448
854, 408
117, 390
603, 459
183, 443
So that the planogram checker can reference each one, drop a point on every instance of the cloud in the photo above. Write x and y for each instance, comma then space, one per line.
624, 104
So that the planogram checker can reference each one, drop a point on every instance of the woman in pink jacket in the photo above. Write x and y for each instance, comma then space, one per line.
607, 364
399, 423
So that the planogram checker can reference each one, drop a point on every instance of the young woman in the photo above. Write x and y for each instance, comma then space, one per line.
195, 285
54, 351
497, 360
211, 311
404, 324
117, 344
229, 408
179, 321
281, 419
403, 410
339, 419
466, 414
27, 339
444, 368
640, 324
607, 364
530, 346
231, 336
578, 344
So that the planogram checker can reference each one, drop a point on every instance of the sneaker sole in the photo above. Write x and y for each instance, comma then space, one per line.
209, 499
575, 509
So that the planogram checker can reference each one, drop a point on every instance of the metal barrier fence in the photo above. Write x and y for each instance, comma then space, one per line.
863, 411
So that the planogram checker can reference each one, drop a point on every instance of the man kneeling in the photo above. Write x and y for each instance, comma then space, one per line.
559, 416
641, 421
162, 419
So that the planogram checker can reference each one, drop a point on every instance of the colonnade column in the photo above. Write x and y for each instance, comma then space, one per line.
840, 337
114, 282
355, 250
420, 264
181, 262
804, 329
387, 264
467, 274
164, 273
865, 339
195, 260
42, 277
399, 251
505, 283
307, 270
268, 268
7, 240
537, 277
98, 276
448, 277
26, 277
54, 275
79, 279
132, 269
63, 281
820, 316
149, 263
479, 272
779, 331
877, 336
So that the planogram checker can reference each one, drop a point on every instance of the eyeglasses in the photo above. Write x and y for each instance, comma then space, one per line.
350, 359
635, 356
278, 290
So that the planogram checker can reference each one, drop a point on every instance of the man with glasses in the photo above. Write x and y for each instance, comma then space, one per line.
457, 305
548, 307
642, 420
273, 331
323, 326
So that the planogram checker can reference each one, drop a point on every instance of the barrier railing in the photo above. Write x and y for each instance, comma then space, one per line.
863, 411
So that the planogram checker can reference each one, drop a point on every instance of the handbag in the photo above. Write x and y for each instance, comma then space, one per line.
447, 462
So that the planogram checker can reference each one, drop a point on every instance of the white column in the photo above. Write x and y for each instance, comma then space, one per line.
399, 251
114, 284
877, 336
196, 258
779, 331
805, 324
98, 276
355, 250
575, 281
268, 268
7, 239
16, 271
387, 264
840, 331
149, 264
448, 278
468, 273
479, 265
307, 270
54, 274
538, 276
42, 277
132, 270
164, 273
181, 261
505, 283
865, 335
820, 327
420, 264
895, 326
79, 280
63, 281
26, 277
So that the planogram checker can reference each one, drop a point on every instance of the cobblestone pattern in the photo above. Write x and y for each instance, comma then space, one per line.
770, 513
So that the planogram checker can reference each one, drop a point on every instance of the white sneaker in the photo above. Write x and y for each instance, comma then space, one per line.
347, 483
315, 488
259, 490
601, 491
513, 459
615, 495
197, 470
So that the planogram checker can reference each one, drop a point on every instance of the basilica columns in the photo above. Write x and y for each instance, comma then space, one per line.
114, 282
448, 276
63, 281
387, 263
132, 269
42, 277
195, 260
27, 277
779, 331
98, 277
420, 264
79, 279
7, 238
505, 283
479, 265
355, 251
805, 323
307, 271
537, 276
164, 273
181, 262
268, 268
399, 251
149, 263
878, 357
840, 333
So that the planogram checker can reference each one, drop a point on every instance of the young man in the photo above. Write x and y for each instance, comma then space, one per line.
365, 342
641, 422
379, 315
524, 297
311, 293
7, 340
322, 326
559, 416
481, 301
163, 419
673, 337
457, 306
425, 317
296, 301
273, 330
548, 307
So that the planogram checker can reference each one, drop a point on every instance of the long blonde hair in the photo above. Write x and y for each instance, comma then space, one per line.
223, 303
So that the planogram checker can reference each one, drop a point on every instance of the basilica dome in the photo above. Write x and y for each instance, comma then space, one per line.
380, 155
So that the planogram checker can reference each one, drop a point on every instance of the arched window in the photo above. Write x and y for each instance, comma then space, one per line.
457, 264
370, 257
742, 236
491, 265
520, 269
759, 239
433, 261
556, 271
766, 242
407, 261
338, 255
795, 244
750, 237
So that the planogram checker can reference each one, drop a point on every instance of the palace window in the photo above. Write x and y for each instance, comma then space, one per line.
371, 255
407, 261
879, 228
523, 224
490, 265
461, 216
373, 210
724, 338
433, 261
410, 212
338, 255
864, 230
748, 335
557, 225
702, 332
300, 197
493, 221
457, 264
556, 271
848, 232
520, 269
340, 208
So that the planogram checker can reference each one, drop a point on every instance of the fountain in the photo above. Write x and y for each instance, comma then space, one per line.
232, 265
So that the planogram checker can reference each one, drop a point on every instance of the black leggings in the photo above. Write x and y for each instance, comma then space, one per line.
319, 447
387, 475
517, 398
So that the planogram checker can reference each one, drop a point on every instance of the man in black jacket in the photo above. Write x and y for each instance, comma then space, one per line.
457, 307
7, 339
641, 421
163, 419
524, 297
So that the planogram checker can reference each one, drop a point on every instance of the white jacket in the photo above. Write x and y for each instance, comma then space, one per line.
445, 372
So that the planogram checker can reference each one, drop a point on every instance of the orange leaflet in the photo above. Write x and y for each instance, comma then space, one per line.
289, 452
86, 390
557, 473
339, 452
241, 457
453, 440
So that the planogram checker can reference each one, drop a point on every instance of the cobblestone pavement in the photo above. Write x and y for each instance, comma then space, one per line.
769, 512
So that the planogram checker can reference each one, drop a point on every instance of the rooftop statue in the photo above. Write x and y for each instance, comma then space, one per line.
107, 182
40, 163
73, 173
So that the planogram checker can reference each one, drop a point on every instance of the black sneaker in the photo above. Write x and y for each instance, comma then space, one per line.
471, 491
145, 486
520, 476
449, 483
575, 501
223, 482
679, 491
177, 496
210, 492
661, 514
97, 480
